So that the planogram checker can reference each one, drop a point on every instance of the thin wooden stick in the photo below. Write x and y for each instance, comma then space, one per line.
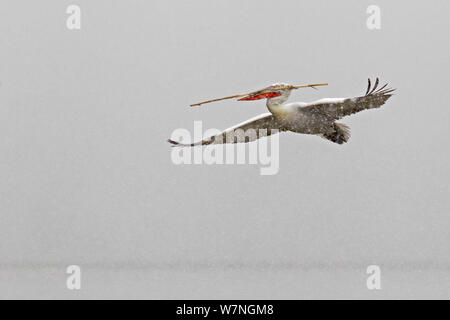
310, 85
218, 99
255, 92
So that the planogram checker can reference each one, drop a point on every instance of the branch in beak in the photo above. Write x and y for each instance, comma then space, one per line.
260, 96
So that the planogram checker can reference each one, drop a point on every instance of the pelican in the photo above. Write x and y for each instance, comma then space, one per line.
315, 118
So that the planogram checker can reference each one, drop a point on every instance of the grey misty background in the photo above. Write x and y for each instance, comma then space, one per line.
86, 173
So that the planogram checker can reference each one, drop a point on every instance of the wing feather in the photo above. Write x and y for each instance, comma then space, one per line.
247, 131
338, 108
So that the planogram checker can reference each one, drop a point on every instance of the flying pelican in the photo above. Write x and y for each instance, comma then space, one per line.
317, 117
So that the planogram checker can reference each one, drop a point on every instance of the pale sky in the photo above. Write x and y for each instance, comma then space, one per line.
85, 114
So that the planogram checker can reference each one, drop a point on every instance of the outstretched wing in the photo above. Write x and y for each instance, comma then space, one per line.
250, 130
338, 108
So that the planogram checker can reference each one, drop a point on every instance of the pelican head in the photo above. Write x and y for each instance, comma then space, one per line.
278, 92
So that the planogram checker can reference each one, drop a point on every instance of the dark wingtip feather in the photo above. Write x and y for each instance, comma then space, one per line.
386, 91
179, 144
375, 86
368, 86
380, 91
172, 141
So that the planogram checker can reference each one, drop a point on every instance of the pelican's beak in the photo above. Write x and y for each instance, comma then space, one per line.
258, 96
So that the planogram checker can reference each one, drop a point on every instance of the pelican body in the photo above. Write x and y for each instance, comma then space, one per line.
316, 118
